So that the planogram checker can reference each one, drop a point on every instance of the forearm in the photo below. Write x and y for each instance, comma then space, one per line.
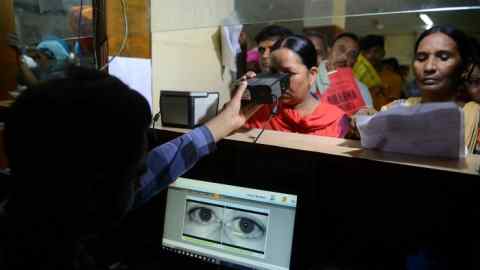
220, 127
168, 161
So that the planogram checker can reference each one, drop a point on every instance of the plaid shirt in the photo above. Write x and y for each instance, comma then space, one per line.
170, 160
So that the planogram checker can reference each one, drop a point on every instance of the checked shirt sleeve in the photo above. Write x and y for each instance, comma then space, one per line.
168, 161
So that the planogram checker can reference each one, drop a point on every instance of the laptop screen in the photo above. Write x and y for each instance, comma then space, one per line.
230, 225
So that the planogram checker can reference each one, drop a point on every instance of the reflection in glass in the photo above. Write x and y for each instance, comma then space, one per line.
52, 34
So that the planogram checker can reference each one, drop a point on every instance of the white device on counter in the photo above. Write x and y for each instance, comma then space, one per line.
187, 108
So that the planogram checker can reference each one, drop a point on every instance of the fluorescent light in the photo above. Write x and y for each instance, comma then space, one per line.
426, 20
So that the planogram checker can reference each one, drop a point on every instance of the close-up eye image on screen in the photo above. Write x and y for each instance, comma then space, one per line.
231, 225
226, 225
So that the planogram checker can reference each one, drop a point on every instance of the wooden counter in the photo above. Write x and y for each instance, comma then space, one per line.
348, 148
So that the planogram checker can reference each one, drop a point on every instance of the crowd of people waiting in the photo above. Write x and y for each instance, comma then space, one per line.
445, 68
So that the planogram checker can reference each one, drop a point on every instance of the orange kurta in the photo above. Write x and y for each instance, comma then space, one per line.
392, 83
326, 120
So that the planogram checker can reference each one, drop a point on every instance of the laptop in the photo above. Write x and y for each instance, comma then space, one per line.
232, 226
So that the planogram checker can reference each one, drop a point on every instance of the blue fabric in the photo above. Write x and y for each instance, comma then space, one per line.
418, 262
59, 40
411, 89
168, 161
55, 47
426, 260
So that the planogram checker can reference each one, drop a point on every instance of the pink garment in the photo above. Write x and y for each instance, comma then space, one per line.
253, 56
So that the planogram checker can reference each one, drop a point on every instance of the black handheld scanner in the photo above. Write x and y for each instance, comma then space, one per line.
266, 88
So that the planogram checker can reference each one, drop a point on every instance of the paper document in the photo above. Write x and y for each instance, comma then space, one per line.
430, 129
343, 91
230, 46
134, 72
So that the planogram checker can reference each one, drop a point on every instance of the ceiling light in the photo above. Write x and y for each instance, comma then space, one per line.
426, 20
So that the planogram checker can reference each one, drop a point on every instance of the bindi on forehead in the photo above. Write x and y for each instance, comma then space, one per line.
437, 42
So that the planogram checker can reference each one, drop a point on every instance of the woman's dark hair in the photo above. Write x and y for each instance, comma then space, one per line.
85, 109
300, 45
460, 38
74, 144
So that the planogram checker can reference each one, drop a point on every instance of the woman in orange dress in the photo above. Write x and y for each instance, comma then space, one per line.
297, 110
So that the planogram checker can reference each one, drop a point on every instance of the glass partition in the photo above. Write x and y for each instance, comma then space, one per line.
39, 20
400, 27
51, 34
210, 13
189, 35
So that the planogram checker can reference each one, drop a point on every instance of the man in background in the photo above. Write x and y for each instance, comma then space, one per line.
343, 54
265, 39
368, 67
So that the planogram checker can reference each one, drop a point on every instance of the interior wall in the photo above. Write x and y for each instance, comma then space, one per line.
401, 47
170, 15
188, 60
326, 13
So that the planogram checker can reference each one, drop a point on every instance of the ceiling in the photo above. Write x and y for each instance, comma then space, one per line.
411, 23
376, 6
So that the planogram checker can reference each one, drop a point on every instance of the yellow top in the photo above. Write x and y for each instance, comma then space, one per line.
366, 73
345, 148
392, 84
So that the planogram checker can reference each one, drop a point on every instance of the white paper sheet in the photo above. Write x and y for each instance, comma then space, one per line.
230, 46
134, 72
430, 129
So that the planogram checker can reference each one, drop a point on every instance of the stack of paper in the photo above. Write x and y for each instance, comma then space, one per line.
430, 129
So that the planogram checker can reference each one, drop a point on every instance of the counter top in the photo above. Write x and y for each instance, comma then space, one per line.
347, 148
